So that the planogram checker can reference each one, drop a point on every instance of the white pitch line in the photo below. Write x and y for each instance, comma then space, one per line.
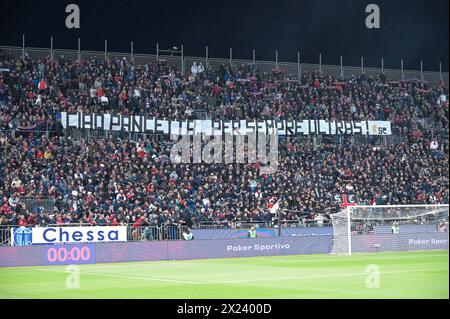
137, 264
371, 256
322, 276
127, 277
251, 259
231, 260
242, 281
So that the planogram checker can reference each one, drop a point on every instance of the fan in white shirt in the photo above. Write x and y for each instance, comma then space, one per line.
434, 145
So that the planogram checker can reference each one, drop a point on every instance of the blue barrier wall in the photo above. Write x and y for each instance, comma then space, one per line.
161, 250
295, 244
261, 232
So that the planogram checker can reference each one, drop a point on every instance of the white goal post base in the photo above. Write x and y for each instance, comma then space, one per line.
379, 228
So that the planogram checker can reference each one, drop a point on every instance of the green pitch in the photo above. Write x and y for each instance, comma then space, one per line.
401, 275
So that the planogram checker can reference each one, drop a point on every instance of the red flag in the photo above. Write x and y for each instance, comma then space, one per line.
345, 203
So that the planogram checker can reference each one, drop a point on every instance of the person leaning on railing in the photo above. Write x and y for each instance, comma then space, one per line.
148, 233
187, 234
252, 232
137, 227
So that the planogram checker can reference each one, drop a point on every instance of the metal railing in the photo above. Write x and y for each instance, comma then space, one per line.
271, 224
5, 236
358, 139
97, 134
211, 226
231, 224
68, 225
35, 204
144, 233
13, 133
306, 223
295, 70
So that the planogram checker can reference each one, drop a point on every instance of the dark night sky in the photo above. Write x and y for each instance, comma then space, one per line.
412, 30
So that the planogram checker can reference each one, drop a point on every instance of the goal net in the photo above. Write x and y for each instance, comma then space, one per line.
390, 228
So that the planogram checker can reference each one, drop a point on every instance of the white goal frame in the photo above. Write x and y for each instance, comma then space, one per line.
347, 213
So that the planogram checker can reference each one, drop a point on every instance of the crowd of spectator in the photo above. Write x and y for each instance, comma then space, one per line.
32, 92
109, 181
112, 181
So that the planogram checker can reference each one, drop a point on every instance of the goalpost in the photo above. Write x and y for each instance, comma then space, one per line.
390, 228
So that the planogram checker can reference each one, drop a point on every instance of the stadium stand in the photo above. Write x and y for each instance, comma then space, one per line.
113, 181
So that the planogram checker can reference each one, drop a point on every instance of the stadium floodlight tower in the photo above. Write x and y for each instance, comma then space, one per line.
365, 229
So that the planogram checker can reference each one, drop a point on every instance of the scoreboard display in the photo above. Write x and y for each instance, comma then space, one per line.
69, 254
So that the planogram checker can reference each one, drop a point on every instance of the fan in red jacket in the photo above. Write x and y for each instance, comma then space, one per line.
22, 221
139, 222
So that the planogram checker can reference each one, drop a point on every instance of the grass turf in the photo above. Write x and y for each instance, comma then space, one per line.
402, 275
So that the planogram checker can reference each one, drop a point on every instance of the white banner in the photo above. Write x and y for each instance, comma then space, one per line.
87, 234
151, 125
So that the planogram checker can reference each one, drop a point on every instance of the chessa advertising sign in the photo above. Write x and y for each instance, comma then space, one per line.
21, 236
63, 235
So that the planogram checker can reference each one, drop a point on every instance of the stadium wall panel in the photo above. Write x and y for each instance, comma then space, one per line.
400, 242
164, 250
262, 232
40, 255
